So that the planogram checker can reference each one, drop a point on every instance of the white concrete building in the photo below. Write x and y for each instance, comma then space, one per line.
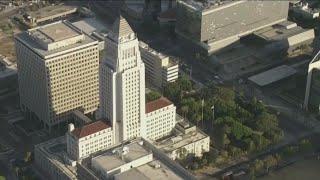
88, 139
57, 72
160, 118
122, 83
160, 69
121, 159
186, 137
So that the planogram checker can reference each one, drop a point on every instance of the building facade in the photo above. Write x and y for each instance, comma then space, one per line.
122, 83
185, 139
58, 72
88, 139
51, 159
217, 24
160, 69
160, 118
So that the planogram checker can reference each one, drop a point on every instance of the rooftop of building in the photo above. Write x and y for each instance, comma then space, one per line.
280, 31
203, 5
56, 151
172, 62
89, 129
90, 25
179, 139
152, 51
50, 11
57, 32
120, 155
157, 104
54, 32
154, 170
272, 75
157, 54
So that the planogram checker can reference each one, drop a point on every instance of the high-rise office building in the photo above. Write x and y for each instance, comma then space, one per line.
122, 83
58, 72
215, 24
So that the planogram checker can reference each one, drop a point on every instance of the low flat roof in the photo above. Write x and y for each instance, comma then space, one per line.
280, 31
90, 25
149, 171
154, 173
272, 75
174, 142
132, 174
56, 32
111, 159
51, 10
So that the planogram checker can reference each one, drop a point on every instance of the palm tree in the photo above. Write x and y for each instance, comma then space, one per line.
184, 110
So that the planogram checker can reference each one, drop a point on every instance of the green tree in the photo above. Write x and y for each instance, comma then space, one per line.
235, 151
258, 165
184, 83
210, 156
153, 95
269, 162
305, 145
173, 92
184, 110
252, 173
289, 151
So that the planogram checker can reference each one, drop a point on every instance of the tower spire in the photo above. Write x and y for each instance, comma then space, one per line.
120, 28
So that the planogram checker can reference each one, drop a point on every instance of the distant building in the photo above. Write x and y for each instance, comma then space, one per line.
312, 97
303, 10
286, 35
184, 137
134, 8
47, 15
160, 118
160, 69
214, 24
122, 83
88, 139
57, 71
